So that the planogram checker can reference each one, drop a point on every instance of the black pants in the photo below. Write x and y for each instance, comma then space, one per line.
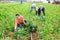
19, 25
41, 10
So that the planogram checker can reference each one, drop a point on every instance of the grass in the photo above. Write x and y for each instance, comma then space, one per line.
47, 30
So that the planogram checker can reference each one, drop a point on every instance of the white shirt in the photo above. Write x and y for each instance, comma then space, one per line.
33, 5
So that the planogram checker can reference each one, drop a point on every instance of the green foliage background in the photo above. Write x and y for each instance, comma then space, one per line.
47, 30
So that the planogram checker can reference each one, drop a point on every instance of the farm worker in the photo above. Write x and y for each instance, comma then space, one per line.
18, 21
33, 6
39, 9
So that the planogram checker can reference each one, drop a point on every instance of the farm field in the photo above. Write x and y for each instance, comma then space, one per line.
48, 28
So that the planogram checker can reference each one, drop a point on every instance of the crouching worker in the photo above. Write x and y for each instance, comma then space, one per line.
19, 21
39, 9
33, 6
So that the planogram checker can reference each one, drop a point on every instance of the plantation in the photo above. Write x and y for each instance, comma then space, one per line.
48, 28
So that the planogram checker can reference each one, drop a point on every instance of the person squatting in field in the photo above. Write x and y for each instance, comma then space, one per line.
40, 9
33, 6
19, 21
